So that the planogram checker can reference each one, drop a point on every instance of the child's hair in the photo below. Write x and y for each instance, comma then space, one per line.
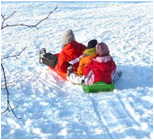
90, 48
92, 44
102, 49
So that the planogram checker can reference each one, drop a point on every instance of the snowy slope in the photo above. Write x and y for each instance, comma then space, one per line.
52, 108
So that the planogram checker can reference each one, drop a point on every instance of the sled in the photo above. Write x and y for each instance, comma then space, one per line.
99, 86
61, 74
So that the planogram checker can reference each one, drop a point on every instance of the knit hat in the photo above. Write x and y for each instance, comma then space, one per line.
92, 43
102, 49
68, 37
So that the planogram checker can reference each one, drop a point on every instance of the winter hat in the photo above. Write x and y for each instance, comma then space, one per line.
68, 37
102, 49
92, 43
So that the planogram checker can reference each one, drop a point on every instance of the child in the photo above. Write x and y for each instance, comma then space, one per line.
88, 55
71, 50
102, 68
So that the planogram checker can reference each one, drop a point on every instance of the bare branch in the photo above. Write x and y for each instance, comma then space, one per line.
29, 26
8, 108
8, 16
15, 55
46, 17
8, 84
4, 111
4, 19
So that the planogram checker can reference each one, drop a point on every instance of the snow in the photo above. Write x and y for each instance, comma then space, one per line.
51, 108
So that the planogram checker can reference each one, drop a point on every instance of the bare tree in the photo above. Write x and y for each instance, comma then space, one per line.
3, 26
4, 19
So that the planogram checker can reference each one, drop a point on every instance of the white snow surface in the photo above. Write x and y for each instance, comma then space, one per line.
51, 108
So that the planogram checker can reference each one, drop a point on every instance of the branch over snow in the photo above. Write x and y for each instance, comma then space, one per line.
15, 55
3, 25
26, 25
9, 107
5, 18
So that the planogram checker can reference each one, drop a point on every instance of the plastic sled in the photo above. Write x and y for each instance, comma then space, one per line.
99, 86
62, 75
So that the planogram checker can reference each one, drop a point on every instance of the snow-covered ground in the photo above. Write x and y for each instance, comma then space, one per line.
51, 108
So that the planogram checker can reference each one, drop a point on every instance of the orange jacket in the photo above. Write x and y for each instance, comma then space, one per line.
69, 53
89, 54
84, 61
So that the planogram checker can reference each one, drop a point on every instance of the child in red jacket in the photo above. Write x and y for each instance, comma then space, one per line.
102, 68
71, 50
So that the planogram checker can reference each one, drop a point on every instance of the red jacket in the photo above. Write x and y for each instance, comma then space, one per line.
68, 53
100, 71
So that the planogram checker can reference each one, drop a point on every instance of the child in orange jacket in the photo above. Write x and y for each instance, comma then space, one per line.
88, 55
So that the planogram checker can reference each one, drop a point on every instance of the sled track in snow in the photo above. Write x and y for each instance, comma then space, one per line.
108, 127
128, 114
101, 119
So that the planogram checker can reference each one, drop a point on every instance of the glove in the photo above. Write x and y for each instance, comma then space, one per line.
69, 69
